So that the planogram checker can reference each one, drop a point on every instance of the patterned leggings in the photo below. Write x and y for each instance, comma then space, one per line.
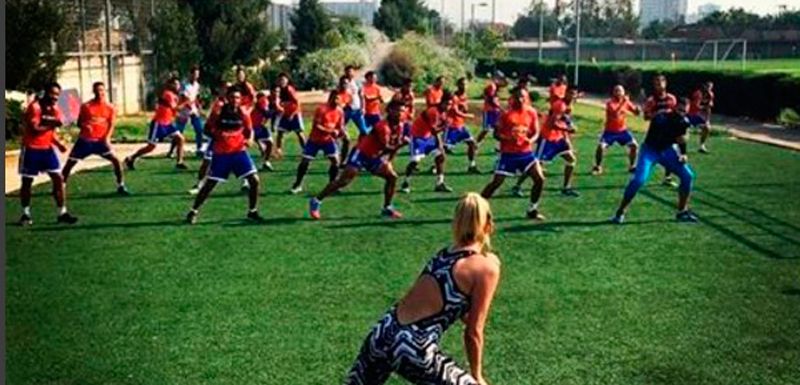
410, 352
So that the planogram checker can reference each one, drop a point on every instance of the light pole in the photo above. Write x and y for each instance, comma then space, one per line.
441, 25
472, 19
541, 27
577, 39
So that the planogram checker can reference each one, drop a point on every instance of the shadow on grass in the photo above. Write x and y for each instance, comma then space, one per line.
126, 225
557, 225
791, 291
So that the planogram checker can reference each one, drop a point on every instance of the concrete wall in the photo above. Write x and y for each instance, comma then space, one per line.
128, 87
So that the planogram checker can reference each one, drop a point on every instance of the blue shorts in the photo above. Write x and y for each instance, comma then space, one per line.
84, 148
209, 151
623, 138
331, 150
262, 134
422, 147
547, 150
293, 124
361, 161
33, 161
696, 120
407, 130
372, 119
490, 119
514, 164
159, 132
456, 135
358, 118
223, 164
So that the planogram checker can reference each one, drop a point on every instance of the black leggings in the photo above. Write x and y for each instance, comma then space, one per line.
411, 352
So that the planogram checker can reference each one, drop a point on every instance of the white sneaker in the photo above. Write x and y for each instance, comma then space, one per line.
296, 190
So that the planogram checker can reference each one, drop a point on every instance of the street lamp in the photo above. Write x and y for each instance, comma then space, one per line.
472, 19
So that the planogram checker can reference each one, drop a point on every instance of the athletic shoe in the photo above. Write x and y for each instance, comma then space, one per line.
391, 212
517, 191
570, 192
67, 218
313, 208
535, 215
442, 187
123, 190
254, 216
296, 190
597, 170
25, 220
191, 217
267, 166
473, 170
669, 182
181, 166
617, 219
686, 216
405, 188
194, 190
129, 164
703, 149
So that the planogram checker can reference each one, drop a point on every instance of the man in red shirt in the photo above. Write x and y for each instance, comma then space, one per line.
372, 99
231, 131
163, 126
343, 99
491, 105
558, 89
700, 112
371, 154
616, 129
555, 141
41, 120
96, 121
327, 127
216, 106
457, 132
291, 119
406, 96
261, 116
657, 107
434, 93
517, 130
426, 140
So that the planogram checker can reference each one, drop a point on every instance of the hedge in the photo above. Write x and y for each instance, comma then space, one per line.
421, 59
760, 96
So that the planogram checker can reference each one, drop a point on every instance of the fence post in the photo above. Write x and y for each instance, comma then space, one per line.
109, 56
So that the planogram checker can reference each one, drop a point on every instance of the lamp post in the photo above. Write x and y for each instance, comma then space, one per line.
541, 27
577, 39
472, 19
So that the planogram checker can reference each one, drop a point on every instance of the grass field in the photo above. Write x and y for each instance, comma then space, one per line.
130, 295
790, 66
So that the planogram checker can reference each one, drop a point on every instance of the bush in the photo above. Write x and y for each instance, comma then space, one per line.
789, 118
322, 68
13, 118
757, 95
422, 59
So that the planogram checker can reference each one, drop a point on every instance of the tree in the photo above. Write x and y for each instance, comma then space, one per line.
36, 36
658, 29
396, 17
310, 25
485, 42
527, 25
232, 32
174, 41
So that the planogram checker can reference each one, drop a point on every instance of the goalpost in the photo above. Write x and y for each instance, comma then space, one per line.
715, 47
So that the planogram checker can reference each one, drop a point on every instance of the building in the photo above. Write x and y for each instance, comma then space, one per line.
364, 10
651, 10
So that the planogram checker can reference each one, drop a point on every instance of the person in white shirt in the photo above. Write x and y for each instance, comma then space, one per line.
354, 111
190, 92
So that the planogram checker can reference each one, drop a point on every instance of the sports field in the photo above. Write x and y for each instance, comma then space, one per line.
790, 66
131, 295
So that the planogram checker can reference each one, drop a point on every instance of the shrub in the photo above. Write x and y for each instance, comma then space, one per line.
756, 95
322, 68
789, 118
423, 60
13, 118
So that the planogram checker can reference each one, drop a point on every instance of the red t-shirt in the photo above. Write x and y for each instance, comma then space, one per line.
515, 128
343, 98
40, 125
557, 92
165, 109
490, 102
616, 111
96, 119
259, 114
372, 94
408, 102
701, 102
332, 118
458, 103
231, 131
289, 101
433, 96
425, 123
378, 139
553, 131
659, 103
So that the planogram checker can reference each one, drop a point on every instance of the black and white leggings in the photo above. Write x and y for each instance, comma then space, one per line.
411, 353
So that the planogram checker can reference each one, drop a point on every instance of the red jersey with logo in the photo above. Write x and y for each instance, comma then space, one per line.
702, 101
458, 106
96, 119
372, 95
332, 118
490, 100
433, 96
231, 130
558, 91
426, 123
515, 129
166, 108
289, 101
660, 103
378, 139
616, 112
553, 130
248, 93
41, 122
260, 114
408, 101
343, 98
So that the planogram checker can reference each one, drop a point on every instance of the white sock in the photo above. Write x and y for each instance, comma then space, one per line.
62, 210
26, 210
253, 210
472, 163
533, 206
121, 184
439, 178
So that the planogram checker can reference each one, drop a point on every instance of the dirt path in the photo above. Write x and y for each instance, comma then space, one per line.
13, 180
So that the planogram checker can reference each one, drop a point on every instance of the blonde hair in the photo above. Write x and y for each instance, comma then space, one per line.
473, 222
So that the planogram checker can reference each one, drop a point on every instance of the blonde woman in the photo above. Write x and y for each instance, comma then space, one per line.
459, 282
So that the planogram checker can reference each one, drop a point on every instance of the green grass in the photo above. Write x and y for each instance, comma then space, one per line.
789, 66
130, 295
